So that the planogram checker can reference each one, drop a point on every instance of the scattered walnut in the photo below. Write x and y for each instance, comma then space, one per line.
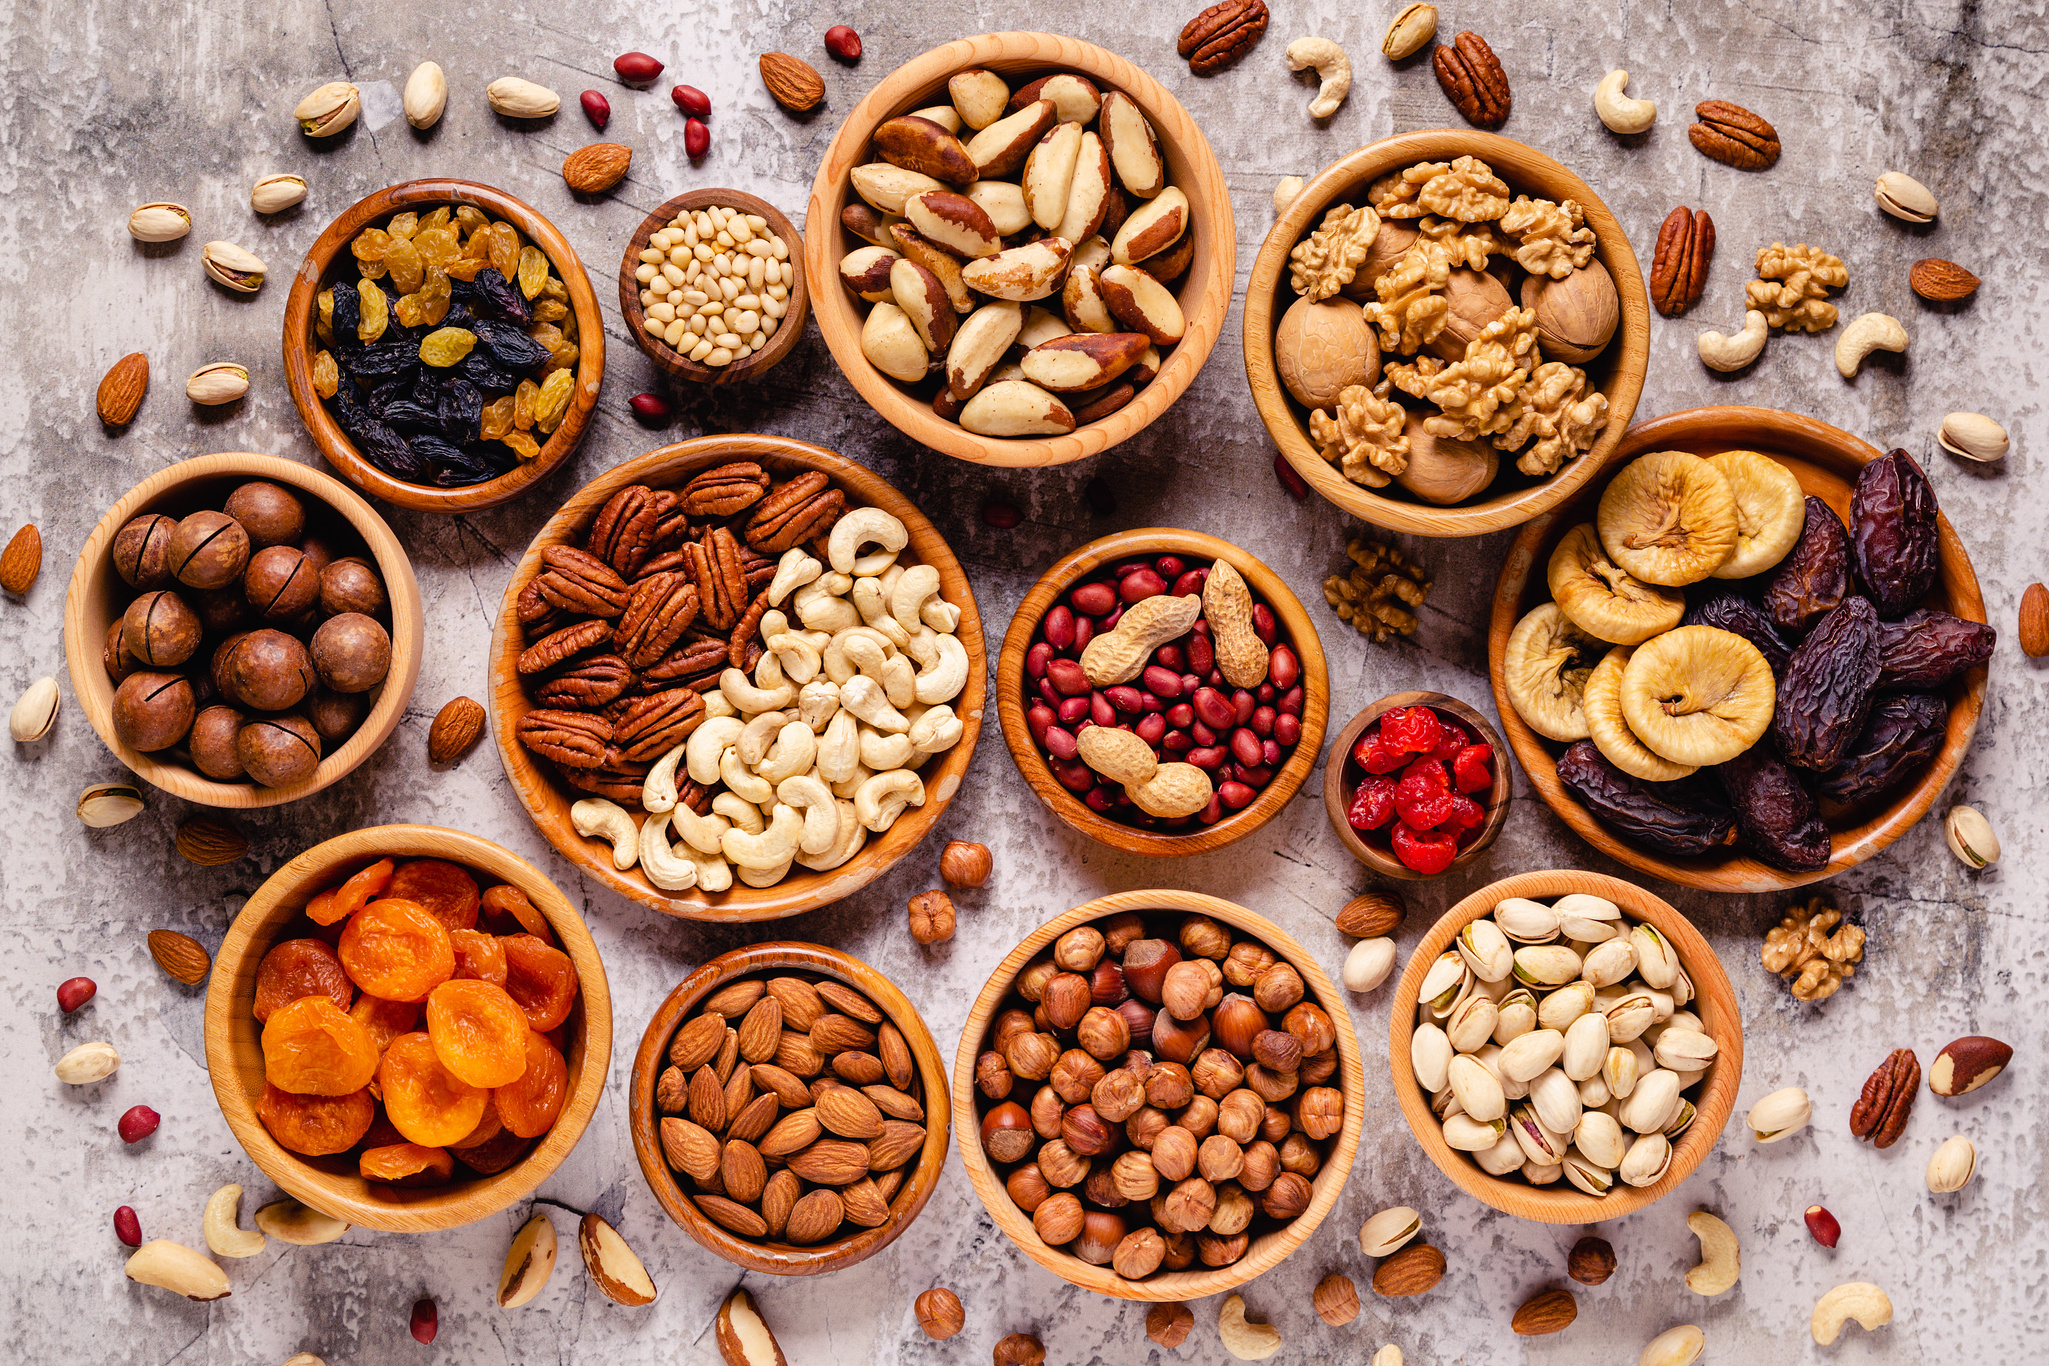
1554, 238
1326, 260
1798, 302
1395, 194
1467, 190
1375, 594
1411, 308
1554, 407
1801, 950
1470, 244
1471, 392
1362, 436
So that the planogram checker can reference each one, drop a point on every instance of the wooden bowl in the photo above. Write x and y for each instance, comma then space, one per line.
548, 800
234, 1052
98, 595
1826, 461
1337, 791
301, 345
1267, 1252
779, 1258
667, 357
1714, 1001
1617, 371
1205, 295
1010, 693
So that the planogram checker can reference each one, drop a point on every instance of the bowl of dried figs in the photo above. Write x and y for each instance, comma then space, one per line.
1158, 1095
1749, 657
1446, 332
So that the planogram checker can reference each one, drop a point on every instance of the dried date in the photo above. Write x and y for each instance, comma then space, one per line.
1775, 815
1825, 694
1679, 818
1814, 579
1930, 648
1905, 732
1893, 533
1740, 616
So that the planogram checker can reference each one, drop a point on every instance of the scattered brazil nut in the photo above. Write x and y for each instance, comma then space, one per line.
1242, 1338
1331, 65
1679, 1346
1859, 1300
1954, 1164
1966, 1064
614, 1269
744, 1338
528, 1262
1721, 1259
1620, 113
179, 1269
1822, 1225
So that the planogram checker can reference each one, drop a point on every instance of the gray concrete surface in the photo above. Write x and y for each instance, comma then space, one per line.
109, 105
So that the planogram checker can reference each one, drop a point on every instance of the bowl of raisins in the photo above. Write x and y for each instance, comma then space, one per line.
443, 345
1417, 784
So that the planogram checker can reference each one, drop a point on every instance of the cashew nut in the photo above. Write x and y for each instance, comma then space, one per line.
223, 1234
793, 571
1336, 69
918, 583
865, 526
899, 679
1621, 113
922, 645
943, 677
882, 752
707, 744
870, 599
1244, 1339
768, 671
744, 815
701, 833
822, 606
795, 749
766, 877
757, 735
596, 818
865, 650
939, 614
1285, 192
1859, 1300
658, 790
937, 730
848, 837
1720, 1259
818, 702
1725, 353
714, 874
798, 652
864, 697
715, 705
1872, 332
774, 846
751, 699
839, 748
741, 781
880, 800
821, 812
772, 623
667, 868
851, 784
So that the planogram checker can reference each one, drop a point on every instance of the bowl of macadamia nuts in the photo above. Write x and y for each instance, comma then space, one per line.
1446, 332
242, 630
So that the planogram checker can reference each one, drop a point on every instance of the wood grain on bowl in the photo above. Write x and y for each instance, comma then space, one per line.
1337, 791
667, 357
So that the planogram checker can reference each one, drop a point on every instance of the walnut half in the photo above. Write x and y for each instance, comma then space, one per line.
1362, 435
1326, 261
1793, 293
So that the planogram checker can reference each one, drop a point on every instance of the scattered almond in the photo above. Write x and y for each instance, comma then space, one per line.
1414, 1270
613, 1267
210, 843
456, 727
122, 390
180, 955
596, 168
2035, 621
21, 561
1940, 281
1549, 1312
794, 84
1371, 915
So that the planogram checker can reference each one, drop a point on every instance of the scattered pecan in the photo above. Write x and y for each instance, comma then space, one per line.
1734, 136
686, 664
573, 739
745, 647
624, 529
565, 644
1473, 80
1880, 1113
655, 724
721, 582
723, 491
661, 609
589, 685
578, 581
794, 512
1679, 267
1221, 34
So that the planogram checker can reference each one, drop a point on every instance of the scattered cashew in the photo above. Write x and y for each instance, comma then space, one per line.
773, 847
918, 583
848, 838
817, 703
741, 781
1720, 1258
899, 679
751, 699
223, 1234
670, 869
805, 793
701, 833
865, 526
795, 749
942, 679
1872, 332
596, 818
881, 799
937, 730
1859, 1300
1726, 353
793, 571
864, 697
1285, 192
711, 739
658, 789
882, 752
1244, 1339
839, 748
1621, 113
745, 815
1336, 69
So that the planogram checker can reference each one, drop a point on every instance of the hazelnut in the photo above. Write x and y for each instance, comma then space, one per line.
1177, 1040
1121, 930
965, 865
1169, 1085
1318, 1067
1100, 1234
1009, 1025
352, 585
1271, 1085
161, 631
1103, 1033
1020, 1349
1144, 1128
1085, 1131
278, 751
1079, 949
212, 743
1320, 1111
1308, 1023
1592, 1261
1288, 1196
209, 550
1180, 1249
1106, 985
1061, 1165
1299, 1156
1218, 1158
1032, 978
1188, 1206
1202, 937
1240, 1115
1277, 1125
1059, 1219
1031, 1056
1138, 1017
1278, 988
1199, 1117
1074, 1075
1007, 1132
1185, 988
352, 652
1174, 1153
1100, 1190
270, 514
1066, 999
992, 1075
221, 610
1277, 1050
280, 583
1218, 1250
142, 551
1238, 1024
266, 669
1139, 1255
931, 917
153, 711
1216, 1073
1336, 1299
1135, 1176
939, 1313
1262, 1165
1146, 965
1169, 1324
119, 663
335, 715
1246, 961
1027, 1187
1047, 1108
1234, 1210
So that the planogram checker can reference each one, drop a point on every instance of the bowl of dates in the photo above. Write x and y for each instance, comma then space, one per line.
1417, 784
443, 345
1748, 657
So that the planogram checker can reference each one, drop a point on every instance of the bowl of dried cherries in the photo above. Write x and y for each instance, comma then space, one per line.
1417, 784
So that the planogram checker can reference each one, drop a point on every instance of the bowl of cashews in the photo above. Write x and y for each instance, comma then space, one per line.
737, 678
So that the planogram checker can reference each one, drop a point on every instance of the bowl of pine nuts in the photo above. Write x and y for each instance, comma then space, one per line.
712, 286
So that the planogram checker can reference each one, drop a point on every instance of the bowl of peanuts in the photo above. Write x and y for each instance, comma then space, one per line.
721, 242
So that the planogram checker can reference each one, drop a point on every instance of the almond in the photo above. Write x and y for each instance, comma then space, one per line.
210, 843
753, 1118
1412, 1271
761, 1030
831, 1162
849, 1114
596, 168
732, 1216
697, 1042
896, 1145
789, 1090
864, 1204
734, 999
778, 1198
707, 1099
742, 1171
739, 1092
1371, 915
801, 1002
895, 1054
1549, 1312
456, 727
743, 1338
2035, 621
672, 1091
21, 561
180, 955
837, 1033
122, 390
793, 84
895, 1103
691, 1148
814, 1218
1941, 281
795, 1131
796, 1055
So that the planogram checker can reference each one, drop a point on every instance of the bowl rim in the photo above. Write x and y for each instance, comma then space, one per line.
282, 896
1272, 1248
667, 357
1525, 164
327, 435
1336, 800
1563, 1203
95, 692
672, 464
1010, 708
1765, 430
783, 1259
1205, 294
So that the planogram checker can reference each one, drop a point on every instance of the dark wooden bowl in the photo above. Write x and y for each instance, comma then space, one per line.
1010, 704
301, 344
667, 357
1826, 461
1337, 792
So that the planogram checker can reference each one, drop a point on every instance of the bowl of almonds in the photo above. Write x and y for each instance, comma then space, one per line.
789, 1108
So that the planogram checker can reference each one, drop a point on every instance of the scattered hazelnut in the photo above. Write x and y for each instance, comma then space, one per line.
1336, 1299
931, 917
1020, 1349
965, 865
939, 1313
1592, 1261
1169, 1324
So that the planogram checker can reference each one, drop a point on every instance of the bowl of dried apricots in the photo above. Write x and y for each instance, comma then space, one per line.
408, 1028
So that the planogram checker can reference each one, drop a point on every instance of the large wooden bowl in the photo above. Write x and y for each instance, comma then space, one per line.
1714, 1001
674, 362
234, 1052
548, 800
1270, 1249
1618, 371
1205, 295
1010, 694
301, 345
98, 595
780, 1258
1375, 853
1826, 461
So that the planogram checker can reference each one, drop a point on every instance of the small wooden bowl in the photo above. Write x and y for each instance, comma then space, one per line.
1337, 792
98, 595
1010, 694
1618, 371
1826, 461
1205, 295
548, 801
1272, 1248
667, 357
234, 1050
301, 345
1714, 1001
779, 1258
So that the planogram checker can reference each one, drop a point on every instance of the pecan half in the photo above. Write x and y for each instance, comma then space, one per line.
794, 512
668, 562
661, 609
1734, 136
536, 616
588, 685
694, 795
1473, 79
1880, 1113
573, 739
565, 644
1679, 268
1221, 34
625, 528
655, 724
721, 582
744, 650
759, 568
726, 490
617, 777
578, 581
686, 664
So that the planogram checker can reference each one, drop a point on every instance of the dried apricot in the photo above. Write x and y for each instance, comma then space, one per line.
479, 1032
393, 948
478, 957
428, 1103
300, 967
311, 1048
385, 1020
444, 890
383, 1133
316, 1126
540, 978
488, 1128
529, 1105
506, 902
496, 1154
406, 1164
353, 895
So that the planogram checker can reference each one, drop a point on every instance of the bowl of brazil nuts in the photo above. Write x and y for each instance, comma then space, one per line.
759, 317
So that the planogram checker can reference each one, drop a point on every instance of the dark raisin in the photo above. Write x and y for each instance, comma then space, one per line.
1905, 732
1775, 815
461, 406
1826, 692
1814, 578
492, 297
1930, 648
1681, 818
483, 371
348, 313
380, 362
1893, 533
1740, 616
509, 346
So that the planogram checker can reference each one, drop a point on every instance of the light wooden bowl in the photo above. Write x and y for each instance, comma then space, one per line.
1269, 1250
98, 595
548, 800
1337, 792
1826, 461
1714, 1001
1205, 295
1010, 692
234, 1051
1617, 371
667, 357
779, 1258
301, 345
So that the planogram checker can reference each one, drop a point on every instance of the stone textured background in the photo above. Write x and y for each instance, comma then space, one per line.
112, 104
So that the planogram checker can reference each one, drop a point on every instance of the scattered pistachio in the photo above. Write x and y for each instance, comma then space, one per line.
1953, 1165
1972, 436
1780, 1115
329, 109
35, 713
276, 193
426, 95
1906, 198
160, 222
1411, 29
1970, 837
105, 804
221, 382
232, 267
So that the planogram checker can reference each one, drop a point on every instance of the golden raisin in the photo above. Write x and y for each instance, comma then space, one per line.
469, 218
552, 403
497, 419
395, 949
405, 264
316, 1126
523, 404
465, 268
311, 1048
370, 244
406, 1164
327, 375
371, 325
407, 309
425, 1101
550, 310
478, 1032
533, 270
540, 978
296, 968
402, 225
437, 246
445, 346
445, 890
523, 446
436, 219
434, 296
530, 1104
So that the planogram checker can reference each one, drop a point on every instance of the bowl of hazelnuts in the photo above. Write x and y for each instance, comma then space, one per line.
242, 630
1158, 1095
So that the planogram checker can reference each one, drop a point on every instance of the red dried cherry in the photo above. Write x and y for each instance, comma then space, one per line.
1413, 730
1423, 802
1372, 804
1426, 852
1451, 742
1474, 768
1466, 814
